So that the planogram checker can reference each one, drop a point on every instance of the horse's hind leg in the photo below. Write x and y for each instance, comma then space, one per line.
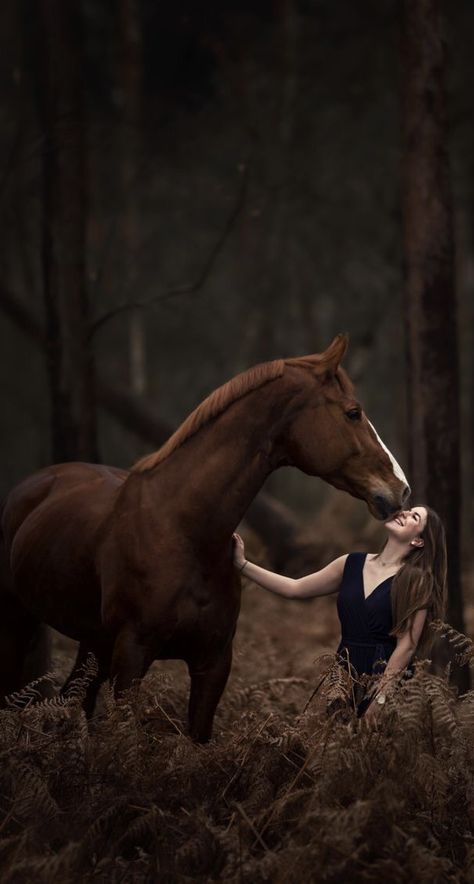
24, 648
25, 652
207, 686
79, 670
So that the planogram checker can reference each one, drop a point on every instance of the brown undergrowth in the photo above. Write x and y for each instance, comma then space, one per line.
283, 793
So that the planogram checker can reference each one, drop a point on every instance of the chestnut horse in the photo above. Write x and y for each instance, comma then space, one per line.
138, 565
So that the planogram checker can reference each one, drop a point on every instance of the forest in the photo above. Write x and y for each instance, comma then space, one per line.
186, 191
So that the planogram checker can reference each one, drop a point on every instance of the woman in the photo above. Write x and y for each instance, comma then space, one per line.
386, 600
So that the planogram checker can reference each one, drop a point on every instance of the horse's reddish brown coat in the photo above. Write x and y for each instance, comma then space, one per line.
138, 565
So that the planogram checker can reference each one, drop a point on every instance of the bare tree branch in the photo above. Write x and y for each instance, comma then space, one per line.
190, 288
132, 413
14, 308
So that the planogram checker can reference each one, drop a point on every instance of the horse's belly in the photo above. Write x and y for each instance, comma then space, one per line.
71, 606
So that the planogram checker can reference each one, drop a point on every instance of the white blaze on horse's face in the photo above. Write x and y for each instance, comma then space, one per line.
397, 470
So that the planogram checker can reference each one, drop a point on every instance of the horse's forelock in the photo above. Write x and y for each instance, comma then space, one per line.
319, 363
344, 382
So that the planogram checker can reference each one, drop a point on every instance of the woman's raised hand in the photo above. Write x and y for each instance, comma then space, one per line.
239, 551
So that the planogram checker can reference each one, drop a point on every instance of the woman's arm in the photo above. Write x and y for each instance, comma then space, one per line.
401, 656
322, 582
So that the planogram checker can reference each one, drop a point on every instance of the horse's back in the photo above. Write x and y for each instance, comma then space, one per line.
54, 480
52, 486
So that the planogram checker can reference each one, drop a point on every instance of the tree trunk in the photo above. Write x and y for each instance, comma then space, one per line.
430, 305
277, 270
59, 98
130, 83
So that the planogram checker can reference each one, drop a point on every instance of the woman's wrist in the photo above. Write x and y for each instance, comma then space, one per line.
241, 567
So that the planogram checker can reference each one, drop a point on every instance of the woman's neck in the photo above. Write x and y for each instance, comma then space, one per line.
392, 554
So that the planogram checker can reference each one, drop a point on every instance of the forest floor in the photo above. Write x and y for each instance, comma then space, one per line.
283, 793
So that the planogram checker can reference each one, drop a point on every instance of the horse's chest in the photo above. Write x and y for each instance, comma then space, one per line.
201, 595
199, 626
204, 610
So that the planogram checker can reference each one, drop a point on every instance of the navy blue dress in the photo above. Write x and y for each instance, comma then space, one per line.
365, 622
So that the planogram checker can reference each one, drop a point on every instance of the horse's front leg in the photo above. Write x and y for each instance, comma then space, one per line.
207, 685
130, 660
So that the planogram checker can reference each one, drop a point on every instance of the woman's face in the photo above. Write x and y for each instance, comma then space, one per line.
407, 525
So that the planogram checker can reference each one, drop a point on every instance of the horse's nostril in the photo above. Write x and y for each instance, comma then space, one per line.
382, 506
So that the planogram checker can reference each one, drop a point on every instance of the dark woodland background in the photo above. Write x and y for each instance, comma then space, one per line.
188, 189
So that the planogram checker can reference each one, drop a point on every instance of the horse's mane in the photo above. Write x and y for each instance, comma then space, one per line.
224, 396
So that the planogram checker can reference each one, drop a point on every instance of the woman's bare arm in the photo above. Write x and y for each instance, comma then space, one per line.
323, 582
403, 652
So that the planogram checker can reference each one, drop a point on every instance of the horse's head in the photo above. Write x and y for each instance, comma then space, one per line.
329, 435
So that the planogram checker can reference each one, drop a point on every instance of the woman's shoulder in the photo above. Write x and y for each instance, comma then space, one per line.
357, 556
352, 560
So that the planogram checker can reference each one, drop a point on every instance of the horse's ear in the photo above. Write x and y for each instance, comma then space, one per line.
324, 363
333, 356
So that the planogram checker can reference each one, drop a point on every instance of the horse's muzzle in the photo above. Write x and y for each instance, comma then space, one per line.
383, 507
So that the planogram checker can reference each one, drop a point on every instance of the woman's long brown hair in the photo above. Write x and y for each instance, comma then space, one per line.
421, 582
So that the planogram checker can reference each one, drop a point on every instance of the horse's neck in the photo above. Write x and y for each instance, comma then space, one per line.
211, 479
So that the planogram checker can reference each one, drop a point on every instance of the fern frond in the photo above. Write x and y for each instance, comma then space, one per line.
31, 796
30, 693
461, 644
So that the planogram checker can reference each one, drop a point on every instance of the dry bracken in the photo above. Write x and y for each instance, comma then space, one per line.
293, 787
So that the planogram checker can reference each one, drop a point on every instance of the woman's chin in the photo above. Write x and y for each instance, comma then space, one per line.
392, 528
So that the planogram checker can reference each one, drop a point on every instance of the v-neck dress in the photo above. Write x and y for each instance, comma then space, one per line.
365, 622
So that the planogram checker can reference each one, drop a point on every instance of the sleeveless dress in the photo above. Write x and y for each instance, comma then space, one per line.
365, 622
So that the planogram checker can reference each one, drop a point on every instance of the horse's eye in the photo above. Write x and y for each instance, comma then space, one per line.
354, 414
